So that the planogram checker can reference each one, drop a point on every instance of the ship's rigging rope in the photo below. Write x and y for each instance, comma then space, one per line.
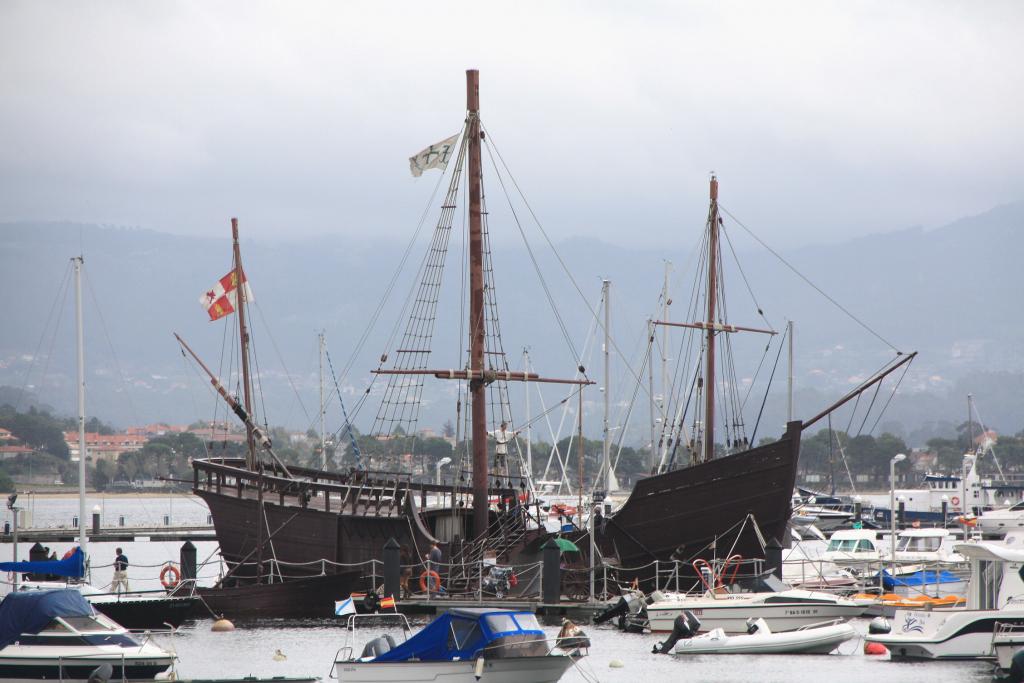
61, 298
807, 280
347, 425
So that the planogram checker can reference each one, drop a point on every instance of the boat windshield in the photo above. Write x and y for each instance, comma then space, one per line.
919, 544
1018, 507
87, 624
850, 545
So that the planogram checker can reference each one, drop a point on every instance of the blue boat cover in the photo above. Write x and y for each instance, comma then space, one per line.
919, 579
73, 566
30, 611
461, 634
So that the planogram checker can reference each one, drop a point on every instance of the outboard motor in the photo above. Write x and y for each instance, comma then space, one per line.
879, 625
619, 609
1016, 673
101, 674
378, 646
685, 626
751, 626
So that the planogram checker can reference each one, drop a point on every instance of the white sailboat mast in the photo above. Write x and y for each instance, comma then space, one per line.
606, 465
323, 434
80, 348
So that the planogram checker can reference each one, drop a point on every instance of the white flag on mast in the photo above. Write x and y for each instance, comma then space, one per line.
435, 156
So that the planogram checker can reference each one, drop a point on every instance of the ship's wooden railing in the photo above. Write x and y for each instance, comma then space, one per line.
356, 493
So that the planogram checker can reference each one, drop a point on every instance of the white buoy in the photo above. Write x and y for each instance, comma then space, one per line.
279, 656
222, 625
616, 664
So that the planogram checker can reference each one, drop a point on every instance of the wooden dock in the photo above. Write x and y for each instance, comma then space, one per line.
422, 606
121, 534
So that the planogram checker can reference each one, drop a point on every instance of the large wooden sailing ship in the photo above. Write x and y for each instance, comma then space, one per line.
311, 522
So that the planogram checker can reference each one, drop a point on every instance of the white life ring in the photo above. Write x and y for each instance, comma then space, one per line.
954, 500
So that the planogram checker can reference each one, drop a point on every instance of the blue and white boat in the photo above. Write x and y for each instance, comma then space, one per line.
463, 645
56, 635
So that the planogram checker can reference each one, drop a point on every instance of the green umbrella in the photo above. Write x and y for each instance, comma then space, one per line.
566, 546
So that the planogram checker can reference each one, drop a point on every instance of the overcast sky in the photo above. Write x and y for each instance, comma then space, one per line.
823, 119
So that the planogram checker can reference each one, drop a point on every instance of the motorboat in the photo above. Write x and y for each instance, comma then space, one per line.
993, 597
926, 546
728, 607
57, 635
1001, 520
134, 610
463, 645
1007, 641
803, 566
759, 639
853, 548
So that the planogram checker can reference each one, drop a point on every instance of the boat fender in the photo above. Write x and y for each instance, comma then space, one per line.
478, 670
879, 625
222, 625
875, 649
101, 674
684, 627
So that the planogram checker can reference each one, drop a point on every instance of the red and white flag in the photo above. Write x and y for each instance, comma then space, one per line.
222, 298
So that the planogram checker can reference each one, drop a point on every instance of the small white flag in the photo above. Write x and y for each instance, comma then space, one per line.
343, 607
435, 156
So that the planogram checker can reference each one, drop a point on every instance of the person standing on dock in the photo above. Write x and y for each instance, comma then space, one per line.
120, 573
434, 564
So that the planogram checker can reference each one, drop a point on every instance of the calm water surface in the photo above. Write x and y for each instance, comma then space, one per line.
310, 648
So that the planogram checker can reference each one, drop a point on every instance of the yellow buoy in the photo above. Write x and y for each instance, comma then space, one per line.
616, 664
222, 625
279, 656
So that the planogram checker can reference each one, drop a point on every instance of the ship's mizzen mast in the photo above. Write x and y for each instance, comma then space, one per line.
477, 387
709, 374
243, 335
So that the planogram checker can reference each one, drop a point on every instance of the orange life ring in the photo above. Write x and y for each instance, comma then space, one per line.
423, 580
170, 576
954, 500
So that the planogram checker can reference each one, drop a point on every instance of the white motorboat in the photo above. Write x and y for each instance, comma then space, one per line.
1002, 520
926, 546
57, 635
460, 646
728, 608
1007, 641
759, 639
853, 548
135, 610
803, 566
993, 598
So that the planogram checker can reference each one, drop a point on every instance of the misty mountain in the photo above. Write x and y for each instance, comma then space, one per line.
950, 293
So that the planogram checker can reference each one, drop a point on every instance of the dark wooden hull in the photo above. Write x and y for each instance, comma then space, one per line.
699, 511
156, 614
304, 535
309, 597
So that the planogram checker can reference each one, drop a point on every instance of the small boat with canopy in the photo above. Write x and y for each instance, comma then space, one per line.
461, 645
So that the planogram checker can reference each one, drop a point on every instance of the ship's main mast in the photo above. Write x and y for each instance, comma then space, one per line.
477, 386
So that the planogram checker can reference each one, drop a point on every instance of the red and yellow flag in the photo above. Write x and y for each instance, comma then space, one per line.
221, 299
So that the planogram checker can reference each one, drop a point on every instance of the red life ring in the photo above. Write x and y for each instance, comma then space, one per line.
423, 580
954, 500
170, 576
